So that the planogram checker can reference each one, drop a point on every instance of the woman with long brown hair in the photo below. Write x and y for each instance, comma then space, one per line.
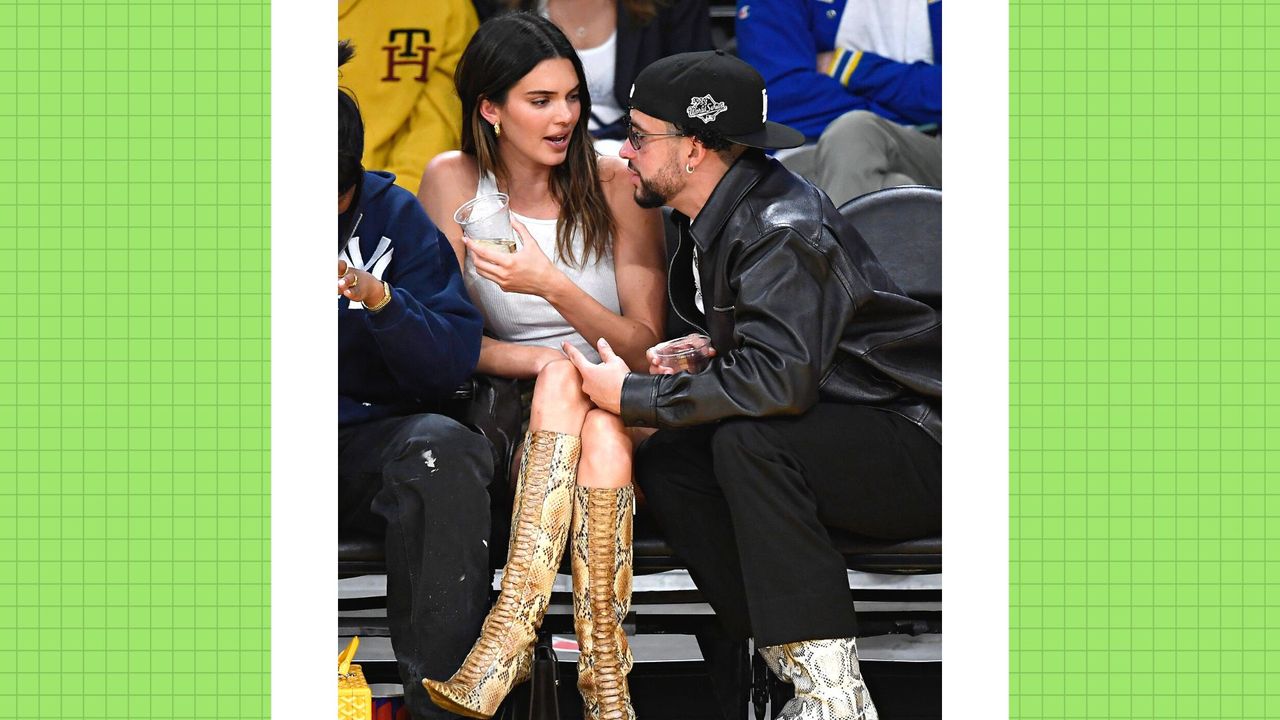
590, 268
616, 39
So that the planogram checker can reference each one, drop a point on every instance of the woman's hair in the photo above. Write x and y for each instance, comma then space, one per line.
502, 52
350, 130
641, 11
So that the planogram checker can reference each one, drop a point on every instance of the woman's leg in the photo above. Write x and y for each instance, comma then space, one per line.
558, 406
558, 402
606, 451
604, 504
539, 525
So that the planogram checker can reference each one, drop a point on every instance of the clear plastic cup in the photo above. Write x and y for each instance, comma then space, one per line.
690, 353
486, 220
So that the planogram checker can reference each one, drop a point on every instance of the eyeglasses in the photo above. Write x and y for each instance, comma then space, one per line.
635, 137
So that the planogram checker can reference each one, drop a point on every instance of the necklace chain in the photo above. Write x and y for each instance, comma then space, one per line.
580, 31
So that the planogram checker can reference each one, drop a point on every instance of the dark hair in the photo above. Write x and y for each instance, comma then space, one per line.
641, 11
503, 51
350, 130
712, 140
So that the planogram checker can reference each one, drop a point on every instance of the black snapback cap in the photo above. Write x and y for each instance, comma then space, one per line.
719, 90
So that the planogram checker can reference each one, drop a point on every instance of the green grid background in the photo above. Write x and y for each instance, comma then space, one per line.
134, 419
1145, 510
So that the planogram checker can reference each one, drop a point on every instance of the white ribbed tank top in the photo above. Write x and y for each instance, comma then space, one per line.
529, 319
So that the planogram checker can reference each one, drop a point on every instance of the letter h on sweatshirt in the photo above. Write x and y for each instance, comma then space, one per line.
407, 51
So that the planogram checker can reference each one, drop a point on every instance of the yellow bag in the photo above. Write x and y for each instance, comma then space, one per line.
355, 700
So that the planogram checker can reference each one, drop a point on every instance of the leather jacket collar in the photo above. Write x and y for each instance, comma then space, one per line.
732, 189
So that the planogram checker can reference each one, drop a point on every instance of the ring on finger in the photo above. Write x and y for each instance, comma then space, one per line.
355, 280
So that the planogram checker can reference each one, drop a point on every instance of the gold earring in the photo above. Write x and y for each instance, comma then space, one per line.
497, 128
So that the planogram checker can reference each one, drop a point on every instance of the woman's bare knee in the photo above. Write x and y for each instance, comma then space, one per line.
603, 426
558, 402
606, 451
559, 381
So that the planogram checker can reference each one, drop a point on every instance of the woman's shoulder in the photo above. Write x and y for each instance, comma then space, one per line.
450, 178
613, 173
451, 169
615, 178
610, 162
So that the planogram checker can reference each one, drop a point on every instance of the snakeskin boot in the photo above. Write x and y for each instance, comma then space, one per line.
501, 658
601, 547
827, 679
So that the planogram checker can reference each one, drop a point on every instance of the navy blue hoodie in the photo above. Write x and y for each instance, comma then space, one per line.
425, 342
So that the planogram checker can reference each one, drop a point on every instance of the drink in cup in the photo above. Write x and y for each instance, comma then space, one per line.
495, 244
690, 353
486, 220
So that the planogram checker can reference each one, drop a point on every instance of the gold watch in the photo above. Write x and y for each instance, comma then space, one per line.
386, 298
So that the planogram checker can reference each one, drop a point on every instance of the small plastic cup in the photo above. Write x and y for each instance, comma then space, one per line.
486, 220
691, 353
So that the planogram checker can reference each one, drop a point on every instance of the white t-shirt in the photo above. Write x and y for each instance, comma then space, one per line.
894, 29
599, 64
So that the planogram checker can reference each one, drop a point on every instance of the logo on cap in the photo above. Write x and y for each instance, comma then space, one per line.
705, 108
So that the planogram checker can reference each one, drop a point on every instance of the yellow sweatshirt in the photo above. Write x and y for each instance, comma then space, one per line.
402, 77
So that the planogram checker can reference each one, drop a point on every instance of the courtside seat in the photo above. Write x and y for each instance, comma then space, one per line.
362, 554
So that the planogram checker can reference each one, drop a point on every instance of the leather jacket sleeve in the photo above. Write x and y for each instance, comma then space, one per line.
787, 316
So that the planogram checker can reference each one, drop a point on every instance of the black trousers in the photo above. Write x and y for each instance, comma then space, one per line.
746, 503
424, 478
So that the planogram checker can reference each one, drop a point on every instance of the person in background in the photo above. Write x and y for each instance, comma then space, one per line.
618, 38
822, 407
862, 79
403, 77
590, 265
407, 336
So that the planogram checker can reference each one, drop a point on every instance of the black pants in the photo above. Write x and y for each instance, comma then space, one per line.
424, 479
746, 503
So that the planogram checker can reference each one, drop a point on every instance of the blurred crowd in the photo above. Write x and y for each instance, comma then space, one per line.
864, 86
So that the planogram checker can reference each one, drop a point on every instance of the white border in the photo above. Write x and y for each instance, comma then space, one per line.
304, 371
975, 208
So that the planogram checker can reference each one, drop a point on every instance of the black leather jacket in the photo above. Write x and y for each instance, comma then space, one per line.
798, 309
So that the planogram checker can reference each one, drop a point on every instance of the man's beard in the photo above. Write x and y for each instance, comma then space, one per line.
653, 194
647, 197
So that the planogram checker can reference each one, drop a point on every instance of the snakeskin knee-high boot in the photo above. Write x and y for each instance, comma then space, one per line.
827, 679
501, 658
601, 547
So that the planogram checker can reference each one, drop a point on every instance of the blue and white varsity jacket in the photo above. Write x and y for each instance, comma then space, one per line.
886, 57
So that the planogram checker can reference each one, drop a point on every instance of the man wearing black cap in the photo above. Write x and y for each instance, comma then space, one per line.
822, 406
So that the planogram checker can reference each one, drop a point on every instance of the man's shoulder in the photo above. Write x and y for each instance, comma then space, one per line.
381, 195
391, 214
782, 201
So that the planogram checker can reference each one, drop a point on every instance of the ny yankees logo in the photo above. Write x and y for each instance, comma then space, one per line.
396, 52
376, 265
705, 108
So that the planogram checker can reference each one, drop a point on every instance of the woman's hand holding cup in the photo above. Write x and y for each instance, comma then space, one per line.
526, 270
